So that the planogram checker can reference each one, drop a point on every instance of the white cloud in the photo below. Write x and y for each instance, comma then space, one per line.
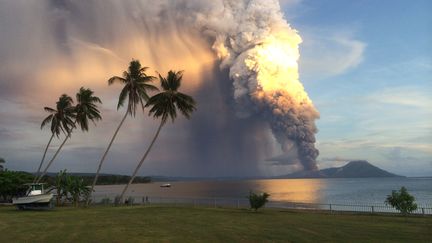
326, 53
403, 95
328, 50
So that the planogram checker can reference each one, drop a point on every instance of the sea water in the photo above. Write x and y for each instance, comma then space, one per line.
344, 190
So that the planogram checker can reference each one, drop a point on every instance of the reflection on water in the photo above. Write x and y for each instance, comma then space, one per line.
294, 190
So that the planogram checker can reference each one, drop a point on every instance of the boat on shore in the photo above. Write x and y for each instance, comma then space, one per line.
35, 198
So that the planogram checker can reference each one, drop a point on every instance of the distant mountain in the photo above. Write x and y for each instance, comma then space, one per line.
353, 169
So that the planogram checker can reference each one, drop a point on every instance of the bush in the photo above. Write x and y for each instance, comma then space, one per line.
257, 201
60, 183
130, 201
77, 189
402, 201
71, 188
106, 201
12, 184
117, 200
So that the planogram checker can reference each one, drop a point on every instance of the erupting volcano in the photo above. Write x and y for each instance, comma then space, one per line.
261, 51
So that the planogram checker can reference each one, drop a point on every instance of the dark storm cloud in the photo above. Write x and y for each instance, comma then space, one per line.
285, 159
222, 143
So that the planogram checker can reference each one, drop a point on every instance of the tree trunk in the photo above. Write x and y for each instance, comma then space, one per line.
53, 158
104, 155
141, 162
75, 199
43, 158
58, 197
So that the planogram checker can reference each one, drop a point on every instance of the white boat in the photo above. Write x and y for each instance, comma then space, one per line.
35, 198
166, 185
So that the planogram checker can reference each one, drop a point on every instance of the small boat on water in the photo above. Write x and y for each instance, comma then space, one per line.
166, 185
36, 198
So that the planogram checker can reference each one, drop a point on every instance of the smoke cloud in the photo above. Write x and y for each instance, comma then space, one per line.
260, 49
250, 102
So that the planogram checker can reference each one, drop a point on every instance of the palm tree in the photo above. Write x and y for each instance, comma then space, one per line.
85, 110
136, 85
60, 120
77, 188
2, 161
60, 185
165, 105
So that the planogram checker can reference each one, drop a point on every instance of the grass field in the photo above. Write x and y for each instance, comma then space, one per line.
187, 224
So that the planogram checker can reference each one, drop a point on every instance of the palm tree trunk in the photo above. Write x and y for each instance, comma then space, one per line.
53, 158
43, 158
104, 155
141, 162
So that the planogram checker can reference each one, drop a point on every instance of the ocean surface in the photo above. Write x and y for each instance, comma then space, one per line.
343, 191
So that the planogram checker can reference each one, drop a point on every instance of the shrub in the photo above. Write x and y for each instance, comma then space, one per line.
117, 200
130, 201
402, 201
61, 186
12, 184
257, 201
106, 201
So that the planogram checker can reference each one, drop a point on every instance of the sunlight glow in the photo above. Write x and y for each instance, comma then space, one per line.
275, 62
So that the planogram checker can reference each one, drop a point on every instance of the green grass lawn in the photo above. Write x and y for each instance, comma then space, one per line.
187, 224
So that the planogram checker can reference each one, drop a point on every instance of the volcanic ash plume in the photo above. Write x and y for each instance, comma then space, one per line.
261, 50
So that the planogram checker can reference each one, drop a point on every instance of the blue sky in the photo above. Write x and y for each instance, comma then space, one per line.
379, 106
367, 66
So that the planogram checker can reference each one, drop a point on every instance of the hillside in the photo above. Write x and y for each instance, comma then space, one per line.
353, 169
358, 168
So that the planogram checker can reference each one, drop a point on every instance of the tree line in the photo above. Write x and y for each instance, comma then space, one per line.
105, 179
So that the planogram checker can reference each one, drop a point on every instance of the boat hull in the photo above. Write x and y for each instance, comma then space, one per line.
33, 199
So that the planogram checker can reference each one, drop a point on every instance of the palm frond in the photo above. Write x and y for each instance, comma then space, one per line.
116, 79
122, 97
60, 117
144, 78
86, 109
164, 105
137, 85
47, 120
149, 87
163, 82
174, 79
95, 99
186, 104
51, 110
143, 70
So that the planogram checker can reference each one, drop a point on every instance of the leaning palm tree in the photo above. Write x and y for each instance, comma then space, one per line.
165, 105
136, 85
60, 120
86, 110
